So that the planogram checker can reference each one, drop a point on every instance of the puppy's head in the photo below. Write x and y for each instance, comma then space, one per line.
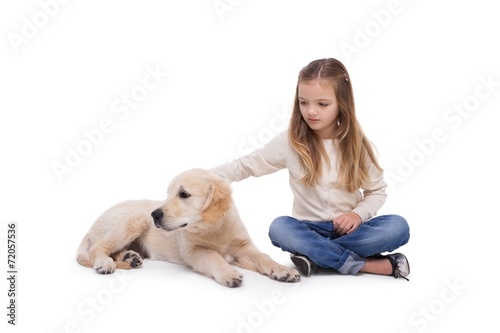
194, 197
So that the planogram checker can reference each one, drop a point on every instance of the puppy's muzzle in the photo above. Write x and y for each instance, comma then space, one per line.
157, 217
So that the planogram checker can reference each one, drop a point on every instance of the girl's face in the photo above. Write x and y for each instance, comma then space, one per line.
318, 106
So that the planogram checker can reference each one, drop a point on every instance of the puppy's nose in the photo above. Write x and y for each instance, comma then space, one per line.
157, 215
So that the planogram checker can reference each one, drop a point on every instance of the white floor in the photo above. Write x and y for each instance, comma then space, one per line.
107, 101
163, 296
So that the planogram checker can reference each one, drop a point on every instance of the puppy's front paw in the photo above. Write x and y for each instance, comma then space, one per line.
231, 280
285, 274
105, 266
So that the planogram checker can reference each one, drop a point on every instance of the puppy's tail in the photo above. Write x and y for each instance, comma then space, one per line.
82, 256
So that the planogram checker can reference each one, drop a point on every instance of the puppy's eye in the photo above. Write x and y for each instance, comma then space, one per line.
184, 195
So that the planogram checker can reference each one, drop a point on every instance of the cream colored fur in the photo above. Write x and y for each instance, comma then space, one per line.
197, 225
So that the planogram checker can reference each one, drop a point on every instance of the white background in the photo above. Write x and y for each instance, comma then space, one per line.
230, 74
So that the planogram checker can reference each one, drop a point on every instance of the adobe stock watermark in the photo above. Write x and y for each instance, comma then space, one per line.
363, 36
33, 24
430, 312
88, 309
277, 124
222, 7
121, 108
453, 118
262, 310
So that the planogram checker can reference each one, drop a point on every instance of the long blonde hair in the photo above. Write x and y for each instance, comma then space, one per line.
353, 147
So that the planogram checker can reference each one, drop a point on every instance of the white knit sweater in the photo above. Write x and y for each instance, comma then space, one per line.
322, 202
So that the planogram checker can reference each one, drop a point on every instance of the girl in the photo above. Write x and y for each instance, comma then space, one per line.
335, 179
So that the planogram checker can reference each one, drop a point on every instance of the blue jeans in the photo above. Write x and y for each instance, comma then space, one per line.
344, 253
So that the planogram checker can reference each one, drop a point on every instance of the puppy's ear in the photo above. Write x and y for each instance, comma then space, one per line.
218, 201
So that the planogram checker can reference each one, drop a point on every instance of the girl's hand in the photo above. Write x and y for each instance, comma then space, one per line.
346, 223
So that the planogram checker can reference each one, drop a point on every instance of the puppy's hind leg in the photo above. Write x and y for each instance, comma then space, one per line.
102, 262
94, 256
106, 264
110, 254
113, 232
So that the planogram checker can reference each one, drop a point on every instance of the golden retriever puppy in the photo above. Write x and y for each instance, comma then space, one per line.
197, 225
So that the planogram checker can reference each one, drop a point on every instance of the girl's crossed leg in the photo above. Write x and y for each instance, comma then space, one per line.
345, 253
